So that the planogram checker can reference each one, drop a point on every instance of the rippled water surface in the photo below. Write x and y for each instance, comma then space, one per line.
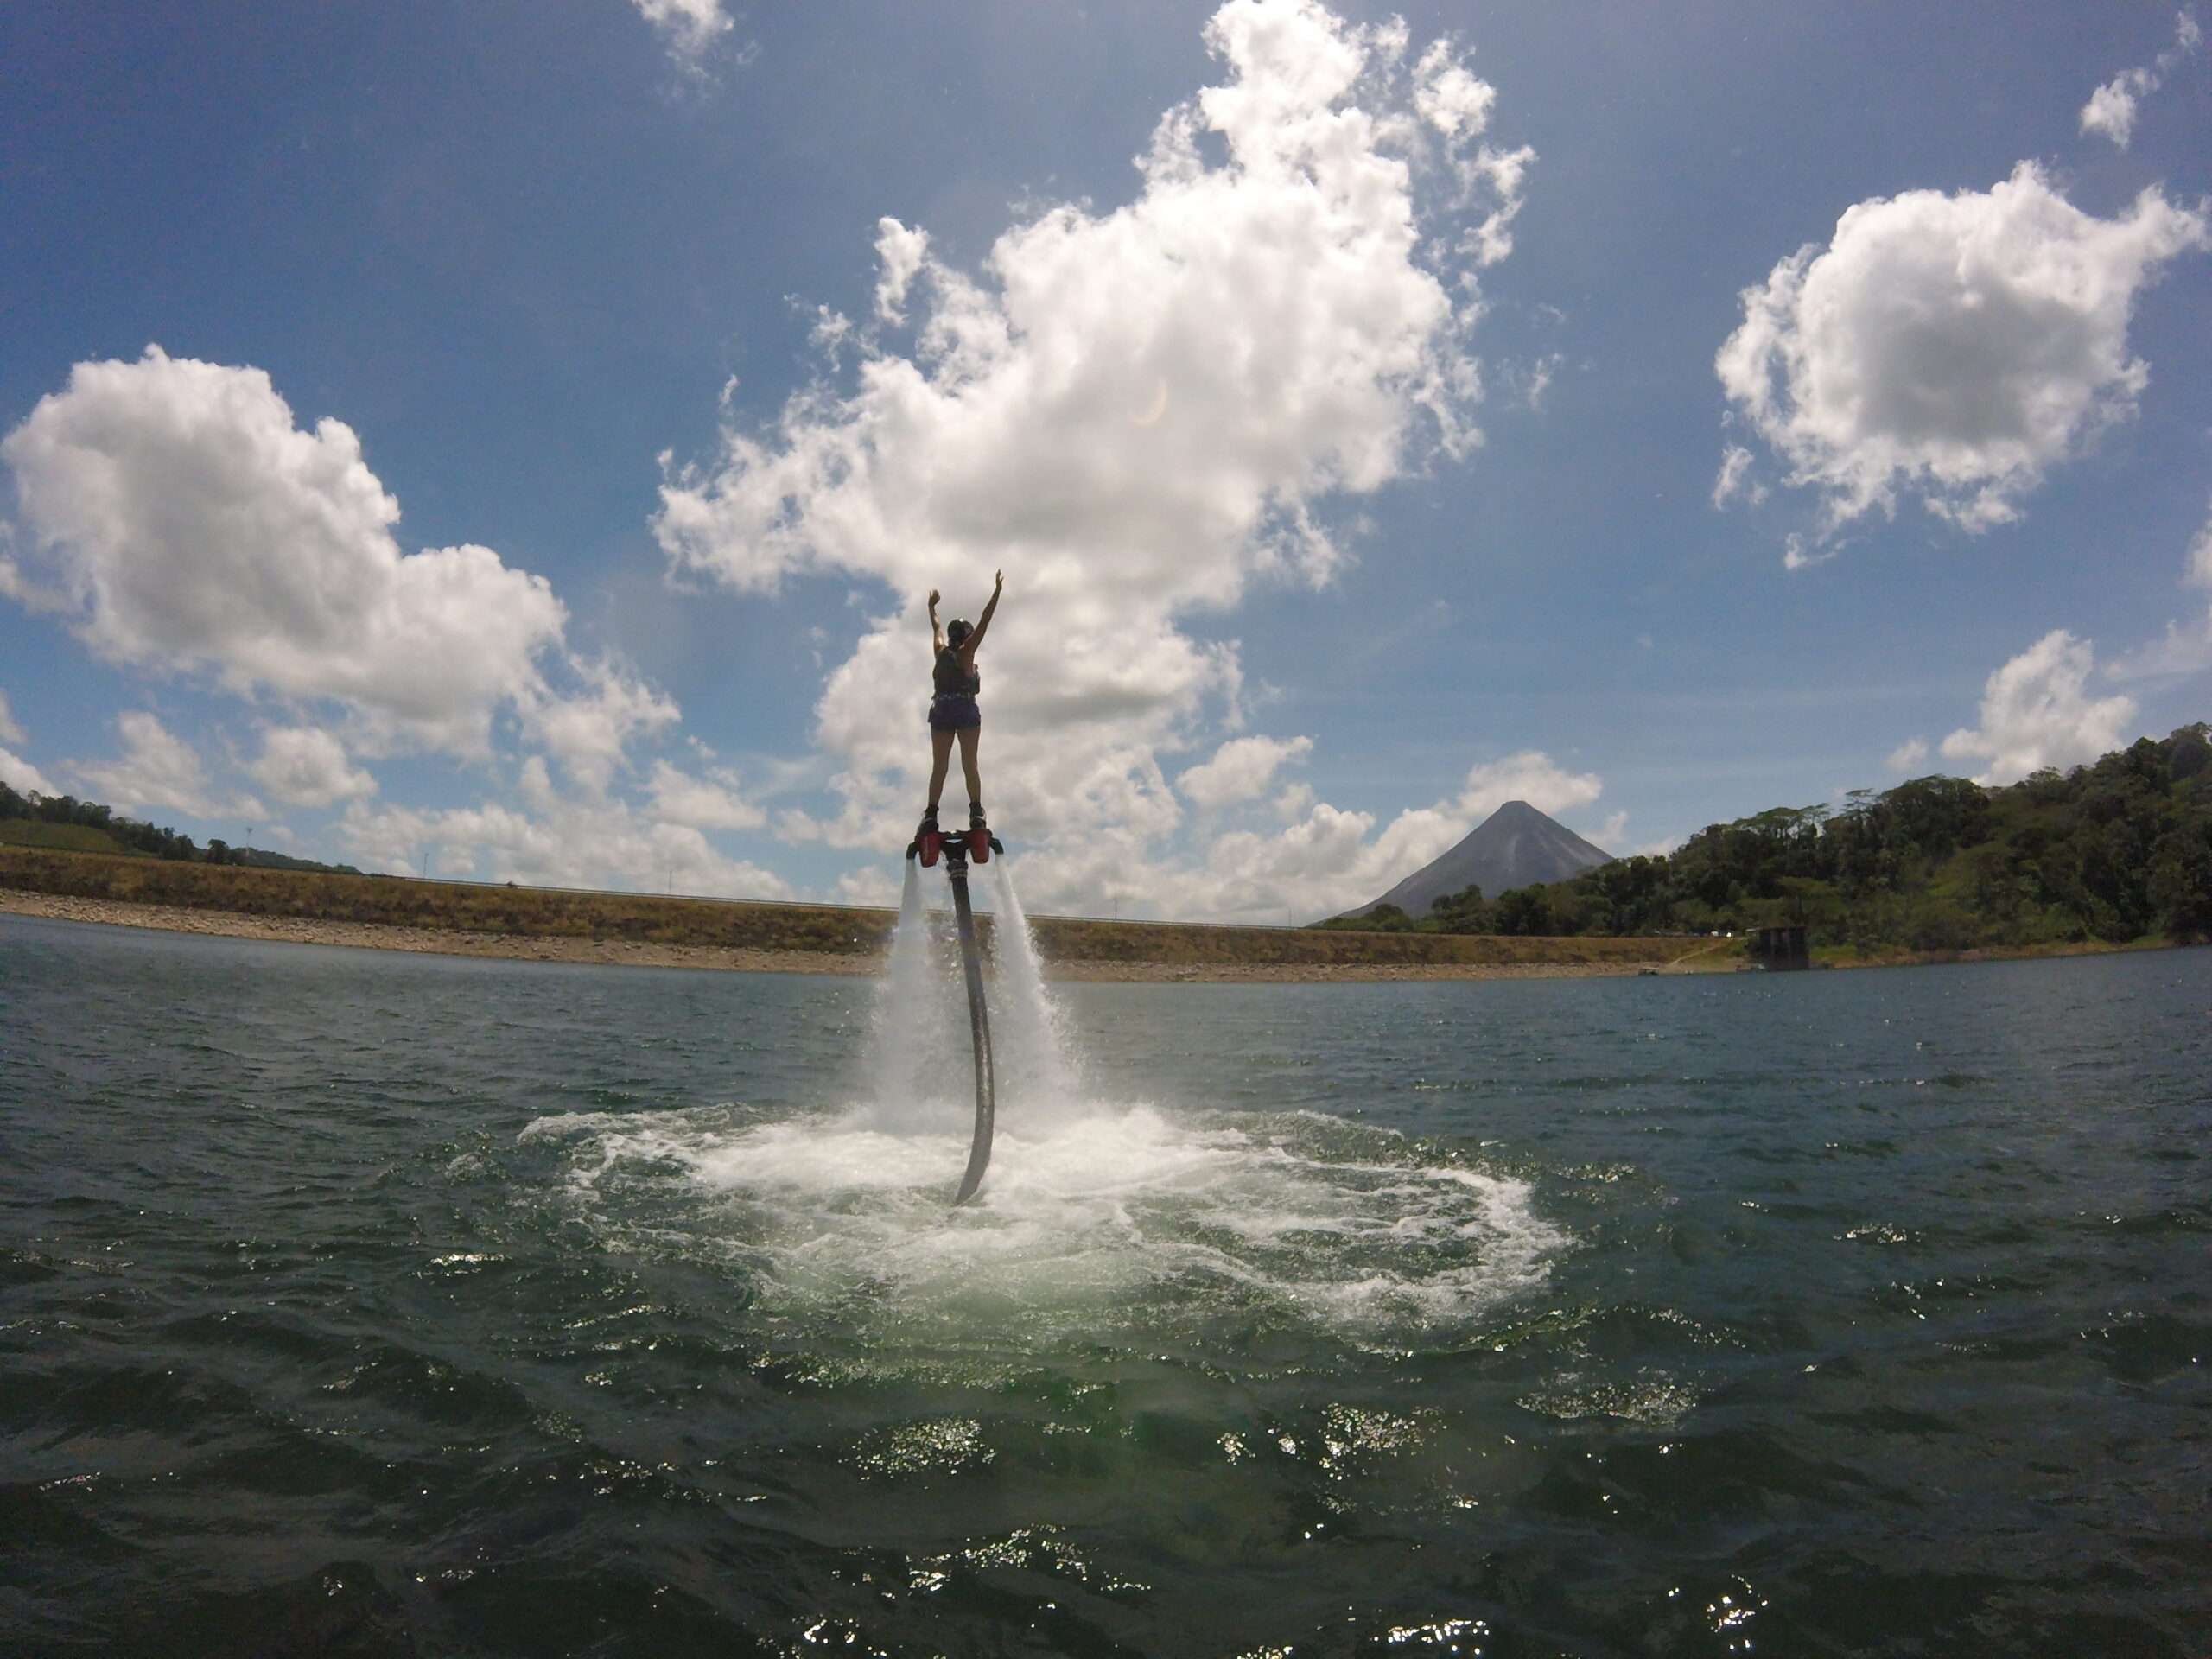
363, 1304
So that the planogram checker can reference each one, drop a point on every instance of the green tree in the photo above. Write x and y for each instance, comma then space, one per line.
1464, 912
1524, 911
1629, 895
2180, 883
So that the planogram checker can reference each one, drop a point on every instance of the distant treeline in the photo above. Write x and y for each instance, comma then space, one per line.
2117, 851
102, 829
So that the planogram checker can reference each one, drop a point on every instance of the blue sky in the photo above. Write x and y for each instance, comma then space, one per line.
1354, 463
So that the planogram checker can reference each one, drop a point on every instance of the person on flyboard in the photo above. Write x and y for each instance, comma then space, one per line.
953, 714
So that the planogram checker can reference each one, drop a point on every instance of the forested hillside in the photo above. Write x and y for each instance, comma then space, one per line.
2116, 851
64, 823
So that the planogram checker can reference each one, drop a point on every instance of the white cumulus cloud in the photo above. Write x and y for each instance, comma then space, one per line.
305, 766
2183, 651
182, 521
23, 777
554, 838
186, 522
2186, 649
2111, 108
15, 772
1324, 861
689, 29
591, 732
710, 803
2036, 712
1135, 414
1950, 347
158, 768
1240, 770
1735, 478
2186, 646
1908, 755
1531, 776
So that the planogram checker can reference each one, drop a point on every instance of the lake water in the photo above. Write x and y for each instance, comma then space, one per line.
366, 1304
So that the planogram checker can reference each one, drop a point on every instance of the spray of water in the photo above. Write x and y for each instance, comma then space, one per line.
902, 1063
1037, 1071
1100, 1220
923, 1066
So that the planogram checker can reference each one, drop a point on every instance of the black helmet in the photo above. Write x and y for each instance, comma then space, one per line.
958, 629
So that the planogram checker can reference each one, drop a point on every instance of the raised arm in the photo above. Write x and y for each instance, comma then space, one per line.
983, 622
937, 633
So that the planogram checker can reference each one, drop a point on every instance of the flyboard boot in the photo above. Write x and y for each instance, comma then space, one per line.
981, 843
929, 841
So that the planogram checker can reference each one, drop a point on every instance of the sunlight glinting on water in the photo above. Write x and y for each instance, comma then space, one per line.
1300, 1302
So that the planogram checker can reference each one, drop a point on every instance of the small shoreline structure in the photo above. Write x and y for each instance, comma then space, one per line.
645, 930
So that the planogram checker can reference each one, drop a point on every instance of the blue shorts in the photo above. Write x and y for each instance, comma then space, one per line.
955, 715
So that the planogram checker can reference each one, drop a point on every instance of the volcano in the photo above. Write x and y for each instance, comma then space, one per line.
1515, 847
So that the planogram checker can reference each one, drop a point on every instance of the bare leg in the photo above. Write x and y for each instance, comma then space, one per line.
940, 757
967, 736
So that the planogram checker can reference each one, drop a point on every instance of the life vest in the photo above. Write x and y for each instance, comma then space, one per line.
951, 679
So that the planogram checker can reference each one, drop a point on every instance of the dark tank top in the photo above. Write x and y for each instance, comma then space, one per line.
951, 680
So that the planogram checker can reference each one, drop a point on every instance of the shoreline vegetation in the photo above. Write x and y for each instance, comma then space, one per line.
471, 918
2116, 855
643, 930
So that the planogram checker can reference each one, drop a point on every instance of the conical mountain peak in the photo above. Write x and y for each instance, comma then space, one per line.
1517, 846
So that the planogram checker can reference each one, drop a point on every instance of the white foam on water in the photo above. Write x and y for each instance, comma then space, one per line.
1099, 1222
1118, 1225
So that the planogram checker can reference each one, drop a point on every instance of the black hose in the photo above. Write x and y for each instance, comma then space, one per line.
979, 1025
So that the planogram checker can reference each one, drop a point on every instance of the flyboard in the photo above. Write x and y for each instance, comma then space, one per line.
977, 844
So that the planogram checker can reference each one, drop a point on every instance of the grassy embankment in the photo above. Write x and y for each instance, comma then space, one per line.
62, 837
1852, 956
536, 912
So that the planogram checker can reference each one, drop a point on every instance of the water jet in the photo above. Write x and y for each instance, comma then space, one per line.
955, 850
